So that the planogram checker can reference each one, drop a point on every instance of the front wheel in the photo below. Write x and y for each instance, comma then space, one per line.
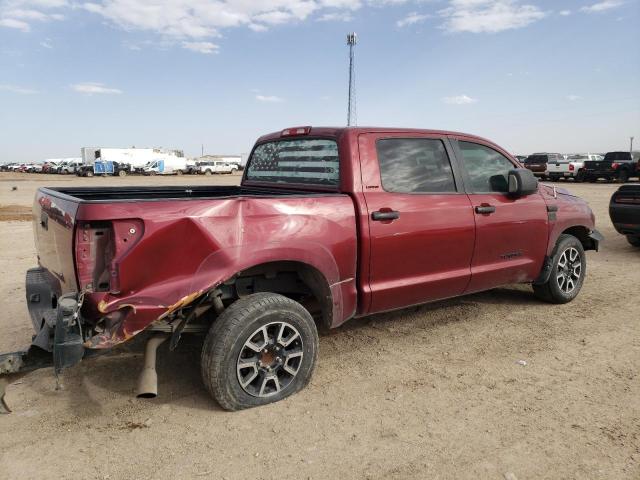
261, 349
568, 269
207, 172
634, 240
122, 173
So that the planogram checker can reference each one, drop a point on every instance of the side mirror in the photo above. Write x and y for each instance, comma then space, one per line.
522, 182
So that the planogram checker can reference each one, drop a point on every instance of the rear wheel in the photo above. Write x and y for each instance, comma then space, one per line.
122, 173
261, 349
634, 240
568, 269
89, 173
623, 176
178, 172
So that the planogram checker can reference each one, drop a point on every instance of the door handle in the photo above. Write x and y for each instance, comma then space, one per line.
485, 209
381, 216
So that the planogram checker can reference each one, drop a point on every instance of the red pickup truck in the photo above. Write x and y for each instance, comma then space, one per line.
328, 224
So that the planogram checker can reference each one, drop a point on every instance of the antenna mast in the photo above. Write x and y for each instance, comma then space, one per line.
352, 39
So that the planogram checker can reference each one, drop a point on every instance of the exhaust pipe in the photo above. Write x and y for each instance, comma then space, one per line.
148, 381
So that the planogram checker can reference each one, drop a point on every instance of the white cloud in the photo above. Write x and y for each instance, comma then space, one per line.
46, 43
574, 98
269, 98
459, 100
336, 17
19, 14
565, 13
412, 19
201, 47
91, 88
13, 23
19, 90
602, 6
490, 16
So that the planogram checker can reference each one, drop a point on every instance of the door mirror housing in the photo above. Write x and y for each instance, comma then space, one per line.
522, 182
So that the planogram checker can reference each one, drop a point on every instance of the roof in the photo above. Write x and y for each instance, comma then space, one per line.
338, 131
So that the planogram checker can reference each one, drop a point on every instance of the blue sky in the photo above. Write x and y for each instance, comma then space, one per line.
532, 75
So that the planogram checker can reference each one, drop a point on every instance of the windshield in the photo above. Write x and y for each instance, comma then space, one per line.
578, 157
617, 156
536, 159
312, 161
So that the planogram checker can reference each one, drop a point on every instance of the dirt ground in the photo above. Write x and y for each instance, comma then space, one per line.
434, 392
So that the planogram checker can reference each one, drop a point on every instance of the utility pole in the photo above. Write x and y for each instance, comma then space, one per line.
202, 151
352, 39
631, 146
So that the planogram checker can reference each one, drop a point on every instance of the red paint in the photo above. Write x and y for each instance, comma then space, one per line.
166, 251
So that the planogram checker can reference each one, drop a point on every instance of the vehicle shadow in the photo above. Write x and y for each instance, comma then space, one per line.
179, 381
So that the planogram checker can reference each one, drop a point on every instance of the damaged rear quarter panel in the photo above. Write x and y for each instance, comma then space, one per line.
190, 246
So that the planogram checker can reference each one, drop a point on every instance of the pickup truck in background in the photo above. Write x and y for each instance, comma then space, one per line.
570, 167
618, 166
538, 163
327, 225
624, 211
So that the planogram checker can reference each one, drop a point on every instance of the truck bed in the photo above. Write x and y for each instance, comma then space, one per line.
124, 194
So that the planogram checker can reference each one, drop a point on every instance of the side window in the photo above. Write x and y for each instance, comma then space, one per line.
488, 170
414, 165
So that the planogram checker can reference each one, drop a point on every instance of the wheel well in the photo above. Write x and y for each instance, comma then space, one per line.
582, 234
296, 280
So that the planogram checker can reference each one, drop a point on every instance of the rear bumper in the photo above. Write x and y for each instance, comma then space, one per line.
625, 218
58, 325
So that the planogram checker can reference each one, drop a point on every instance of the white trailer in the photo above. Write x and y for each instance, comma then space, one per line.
128, 159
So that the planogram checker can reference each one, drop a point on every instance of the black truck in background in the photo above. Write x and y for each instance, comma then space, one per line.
618, 166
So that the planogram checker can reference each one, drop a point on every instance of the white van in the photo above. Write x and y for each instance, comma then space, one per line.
166, 166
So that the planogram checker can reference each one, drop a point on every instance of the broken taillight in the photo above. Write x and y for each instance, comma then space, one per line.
99, 248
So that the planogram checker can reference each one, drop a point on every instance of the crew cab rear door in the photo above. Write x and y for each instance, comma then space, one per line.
511, 233
421, 224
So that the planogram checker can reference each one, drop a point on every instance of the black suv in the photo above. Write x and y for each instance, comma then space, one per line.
624, 210
615, 166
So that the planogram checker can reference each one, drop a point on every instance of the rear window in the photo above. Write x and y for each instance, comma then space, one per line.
536, 159
618, 156
312, 161
578, 157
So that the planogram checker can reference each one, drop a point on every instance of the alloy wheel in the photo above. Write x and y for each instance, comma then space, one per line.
569, 270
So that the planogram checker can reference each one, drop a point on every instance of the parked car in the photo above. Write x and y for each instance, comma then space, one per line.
614, 166
328, 224
538, 162
209, 168
571, 167
69, 167
624, 210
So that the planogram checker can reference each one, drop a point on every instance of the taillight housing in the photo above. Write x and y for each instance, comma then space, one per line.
572, 167
615, 165
99, 249
626, 200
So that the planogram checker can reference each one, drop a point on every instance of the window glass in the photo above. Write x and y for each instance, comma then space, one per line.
307, 160
488, 170
414, 165
536, 158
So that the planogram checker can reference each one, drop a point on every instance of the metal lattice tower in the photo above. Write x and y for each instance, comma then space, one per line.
352, 39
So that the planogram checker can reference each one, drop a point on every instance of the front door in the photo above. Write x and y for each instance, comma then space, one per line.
421, 224
511, 233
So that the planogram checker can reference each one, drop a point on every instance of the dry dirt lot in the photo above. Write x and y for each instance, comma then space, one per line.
429, 392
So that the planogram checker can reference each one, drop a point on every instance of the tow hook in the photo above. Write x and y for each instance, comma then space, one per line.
67, 348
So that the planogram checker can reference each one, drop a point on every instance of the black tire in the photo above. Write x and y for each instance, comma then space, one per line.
89, 174
227, 340
623, 176
122, 173
634, 240
207, 172
592, 179
554, 290
580, 177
